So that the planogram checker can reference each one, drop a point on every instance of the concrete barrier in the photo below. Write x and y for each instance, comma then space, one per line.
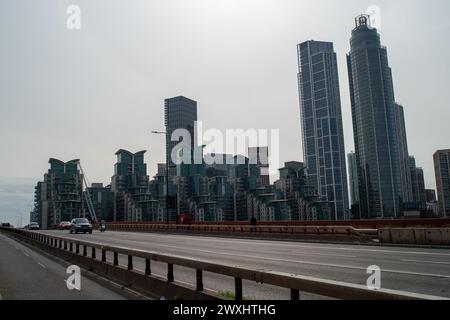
402, 236
433, 236
446, 236
384, 235
420, 236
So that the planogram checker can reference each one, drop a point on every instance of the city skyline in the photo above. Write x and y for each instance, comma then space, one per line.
83, 135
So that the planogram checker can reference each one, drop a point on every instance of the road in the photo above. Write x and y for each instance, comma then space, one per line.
26, 274
425, 271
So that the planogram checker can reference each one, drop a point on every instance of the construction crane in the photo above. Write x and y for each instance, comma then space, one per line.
87, 195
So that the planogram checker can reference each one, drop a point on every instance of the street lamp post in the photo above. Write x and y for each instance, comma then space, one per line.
167, 175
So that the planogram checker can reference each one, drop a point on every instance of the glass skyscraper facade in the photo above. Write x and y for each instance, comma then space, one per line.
320, 111
374, 123
180, 113
442, 171
353, 177
403, 154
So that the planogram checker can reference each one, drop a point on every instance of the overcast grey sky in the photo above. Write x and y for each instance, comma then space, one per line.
85, 94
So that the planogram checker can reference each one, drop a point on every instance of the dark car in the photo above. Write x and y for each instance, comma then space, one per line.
33, 226
64, 225
80, 225
6, 225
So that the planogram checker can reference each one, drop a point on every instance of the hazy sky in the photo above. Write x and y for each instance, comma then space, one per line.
85, 94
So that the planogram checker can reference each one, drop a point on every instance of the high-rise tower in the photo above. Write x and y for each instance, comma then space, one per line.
374, 123
323, 138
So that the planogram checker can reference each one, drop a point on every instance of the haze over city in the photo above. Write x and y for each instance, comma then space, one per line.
85, 94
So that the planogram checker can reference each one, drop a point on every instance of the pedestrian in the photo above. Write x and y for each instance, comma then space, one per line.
253, 223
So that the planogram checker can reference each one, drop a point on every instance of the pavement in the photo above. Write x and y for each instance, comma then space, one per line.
418, 270
26, 274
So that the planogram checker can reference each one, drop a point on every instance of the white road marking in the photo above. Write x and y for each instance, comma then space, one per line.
425, 261
43, 266
26, 254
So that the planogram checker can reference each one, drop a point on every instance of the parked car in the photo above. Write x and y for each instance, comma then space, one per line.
33, 226
64, 225
6, 225
80, 225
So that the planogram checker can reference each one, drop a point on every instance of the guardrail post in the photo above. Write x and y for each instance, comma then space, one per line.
103, 255
238, 289
170, 277
295, 294
65, 245
84, 251
199, 278
93, 254
148, 270
130, 262
77, 248
116, 259
70, 246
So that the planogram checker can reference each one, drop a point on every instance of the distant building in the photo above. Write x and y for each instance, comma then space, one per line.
374, 123
403, 155
353, 177
431, 195
161, 170
59, 197
102, 201
132, 200
432, 203
260, 156
417, 182
442, 172
322, 131
304, 201
180, 113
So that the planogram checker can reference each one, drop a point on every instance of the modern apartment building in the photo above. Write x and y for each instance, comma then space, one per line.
130, 187
442, 172
321, 118
180, 113
59, 197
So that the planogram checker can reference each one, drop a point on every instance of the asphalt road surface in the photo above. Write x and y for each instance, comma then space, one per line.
26, 274
419, 270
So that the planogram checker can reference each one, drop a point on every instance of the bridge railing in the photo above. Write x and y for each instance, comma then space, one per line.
294, 283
